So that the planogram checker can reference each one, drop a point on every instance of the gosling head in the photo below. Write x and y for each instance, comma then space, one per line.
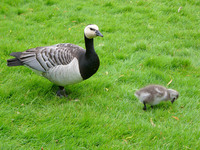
91, 31
173, 95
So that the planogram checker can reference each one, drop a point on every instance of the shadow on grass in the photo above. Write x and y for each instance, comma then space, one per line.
70, 91
165, 107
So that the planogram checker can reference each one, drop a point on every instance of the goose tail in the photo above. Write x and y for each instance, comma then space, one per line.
15, 61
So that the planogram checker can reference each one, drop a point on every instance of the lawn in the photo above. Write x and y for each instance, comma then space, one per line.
145, 42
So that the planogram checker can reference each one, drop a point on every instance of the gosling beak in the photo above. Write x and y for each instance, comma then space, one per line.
173, 100
98, 33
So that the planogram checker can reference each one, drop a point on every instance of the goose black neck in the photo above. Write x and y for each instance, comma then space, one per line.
89, 45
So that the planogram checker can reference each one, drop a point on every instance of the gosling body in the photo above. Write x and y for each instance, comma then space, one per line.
154, 94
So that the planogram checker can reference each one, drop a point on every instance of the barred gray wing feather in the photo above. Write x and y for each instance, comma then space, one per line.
44, 58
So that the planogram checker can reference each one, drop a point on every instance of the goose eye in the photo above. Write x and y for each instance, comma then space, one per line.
92, 29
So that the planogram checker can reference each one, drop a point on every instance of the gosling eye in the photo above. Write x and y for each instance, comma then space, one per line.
92, 29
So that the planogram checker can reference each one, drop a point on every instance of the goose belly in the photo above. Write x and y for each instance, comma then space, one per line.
65, 74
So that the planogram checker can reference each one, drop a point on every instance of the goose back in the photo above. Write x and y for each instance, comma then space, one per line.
44, 58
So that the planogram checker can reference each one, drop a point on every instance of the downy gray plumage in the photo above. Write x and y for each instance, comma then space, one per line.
154, 94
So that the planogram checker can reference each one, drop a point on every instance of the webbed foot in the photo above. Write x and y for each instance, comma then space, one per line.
61, 92
145, 107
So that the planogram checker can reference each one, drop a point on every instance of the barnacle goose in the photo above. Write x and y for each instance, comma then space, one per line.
154, 94
62, 64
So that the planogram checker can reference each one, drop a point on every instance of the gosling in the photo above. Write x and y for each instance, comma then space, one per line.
154, 94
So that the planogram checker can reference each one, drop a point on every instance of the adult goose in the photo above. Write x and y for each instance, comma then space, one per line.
62, 64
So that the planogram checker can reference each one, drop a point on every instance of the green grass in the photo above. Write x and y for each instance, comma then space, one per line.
145, 42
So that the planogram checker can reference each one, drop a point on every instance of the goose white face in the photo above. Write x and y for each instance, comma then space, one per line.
91, 31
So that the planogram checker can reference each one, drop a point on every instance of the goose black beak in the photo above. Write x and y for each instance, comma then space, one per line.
173, 100
98, 33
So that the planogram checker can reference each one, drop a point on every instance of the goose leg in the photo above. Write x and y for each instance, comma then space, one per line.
145, 107
61, 92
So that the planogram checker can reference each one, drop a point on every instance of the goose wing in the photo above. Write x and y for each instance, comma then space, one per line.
159, 91
44, 58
